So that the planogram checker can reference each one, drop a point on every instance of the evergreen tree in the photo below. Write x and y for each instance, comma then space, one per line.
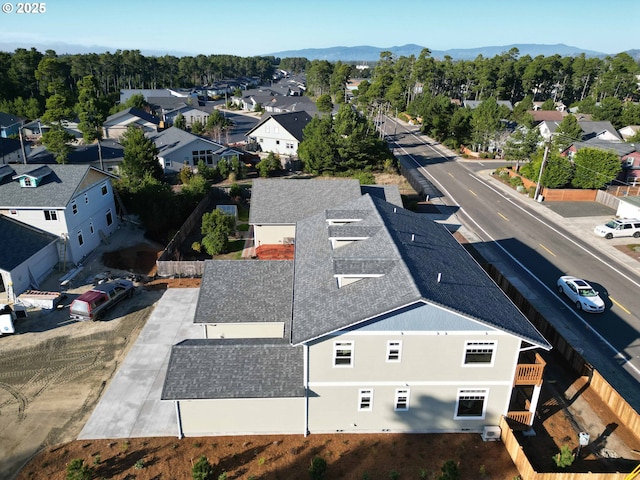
180, 122
140, 156
595, 168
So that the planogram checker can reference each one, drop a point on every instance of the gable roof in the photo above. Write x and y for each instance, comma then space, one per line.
20, 242
136, 112
7, 119
417, 260
292, 122
285, 201
234, 368
620, 148
593, 128
547, 115
169, 140
56, 190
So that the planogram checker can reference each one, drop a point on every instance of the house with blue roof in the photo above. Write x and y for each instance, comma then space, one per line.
382, 322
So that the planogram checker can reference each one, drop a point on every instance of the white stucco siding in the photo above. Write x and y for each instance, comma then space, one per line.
273, 234
273, 138
245, 330
242, 416
424, 356
628, 210
431, 408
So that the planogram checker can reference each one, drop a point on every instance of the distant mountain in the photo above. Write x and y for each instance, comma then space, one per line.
372, 54
62, 48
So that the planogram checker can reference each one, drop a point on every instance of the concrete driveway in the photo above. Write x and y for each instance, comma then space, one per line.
131, 405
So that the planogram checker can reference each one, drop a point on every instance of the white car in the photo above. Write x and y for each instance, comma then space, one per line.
583, 295
619, 227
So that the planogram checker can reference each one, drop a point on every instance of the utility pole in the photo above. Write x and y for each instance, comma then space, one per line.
24, 153
544, 161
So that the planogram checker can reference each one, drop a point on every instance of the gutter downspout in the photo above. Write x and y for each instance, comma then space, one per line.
305, 352
180, 433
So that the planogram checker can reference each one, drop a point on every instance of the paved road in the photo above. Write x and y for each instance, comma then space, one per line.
535, 244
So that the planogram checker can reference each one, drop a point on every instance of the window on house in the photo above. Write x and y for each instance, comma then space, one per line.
393, 350
205, 155
13, 212
343, 354
401, 403
50, 215
276, 130
74, 208
167, 163
27, 182
289, 145
91, 228
471, 404
86, 198
479, 353
277, 142
80, 238
109, 218
267, 129
104, 189
365, 400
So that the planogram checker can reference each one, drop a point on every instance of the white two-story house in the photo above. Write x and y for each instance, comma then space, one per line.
73, 202
381, 323
280, 133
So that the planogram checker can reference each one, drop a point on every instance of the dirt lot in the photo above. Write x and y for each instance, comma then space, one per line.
53, 372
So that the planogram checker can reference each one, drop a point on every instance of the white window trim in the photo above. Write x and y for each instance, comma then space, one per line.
402, 392
106, 217
493, 345
79, 237
362, 394
484, 392
74, 208
393, 345
343, 345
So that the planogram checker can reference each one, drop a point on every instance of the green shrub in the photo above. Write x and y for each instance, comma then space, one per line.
515, 182
318, 468
449, 471
202, 469
196, 247
77, 470
564, 458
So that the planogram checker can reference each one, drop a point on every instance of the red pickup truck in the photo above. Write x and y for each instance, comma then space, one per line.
92, 304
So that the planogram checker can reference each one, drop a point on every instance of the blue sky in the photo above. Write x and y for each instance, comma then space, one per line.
252, 27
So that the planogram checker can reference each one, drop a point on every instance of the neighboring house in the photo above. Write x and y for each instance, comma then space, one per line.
547, 116
115, 125
629, 131
106, 156
627, 152
547, 129
382, 323
628, 207
178, 149
600, 130
28, 255
190, 113
11, 150
472, 104
73, 202
10, 124
280, 133
127, 93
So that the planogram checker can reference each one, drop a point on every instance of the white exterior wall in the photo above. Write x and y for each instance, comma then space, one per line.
244, 330
92, 208
433, 387
190, 115
627, 210
184, 156
272, 234
242, 416
273, 138
19, 279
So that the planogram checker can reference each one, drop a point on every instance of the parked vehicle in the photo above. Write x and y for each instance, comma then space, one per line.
581, 293
619, 227
92, 304
7, 318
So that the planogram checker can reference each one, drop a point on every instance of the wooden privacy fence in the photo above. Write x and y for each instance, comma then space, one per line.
167, 264
526, 470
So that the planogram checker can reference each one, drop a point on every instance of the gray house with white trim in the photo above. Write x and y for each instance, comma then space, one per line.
382, 323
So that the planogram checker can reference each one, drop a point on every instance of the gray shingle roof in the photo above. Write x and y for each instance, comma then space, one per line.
285, 201
620, 148
56, 190
20, 242
245, 368
132, 111
390, 193
413, 253
247, 291
292, 122
173, 138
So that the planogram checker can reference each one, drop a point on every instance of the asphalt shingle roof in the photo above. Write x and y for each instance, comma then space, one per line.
239, 368
173, 138
285, 201
292, 122
20, 242
233, 291
135, 112
56, 190
420, 262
